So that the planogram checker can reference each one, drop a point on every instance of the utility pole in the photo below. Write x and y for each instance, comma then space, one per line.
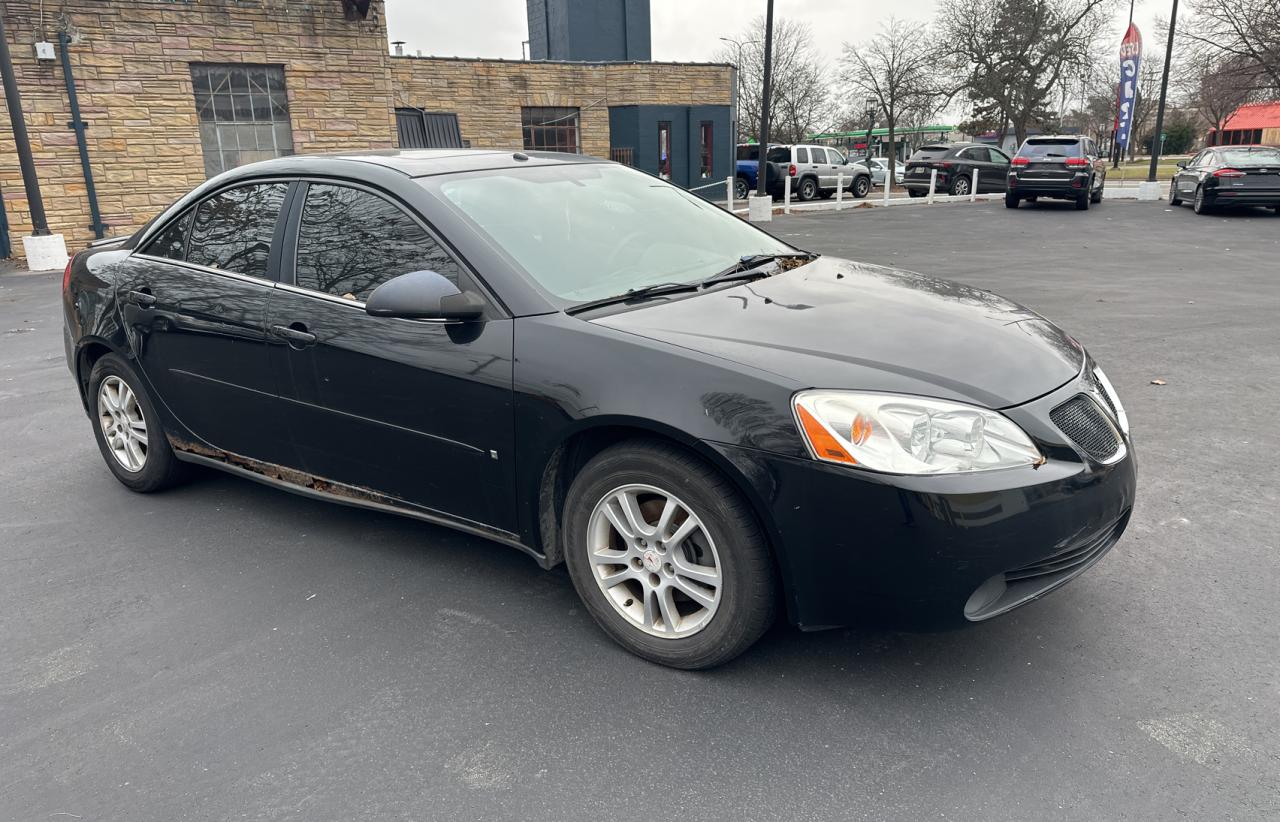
1164, 90
763, 166
39, 223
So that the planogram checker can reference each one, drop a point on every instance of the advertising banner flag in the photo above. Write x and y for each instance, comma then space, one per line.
1127, 96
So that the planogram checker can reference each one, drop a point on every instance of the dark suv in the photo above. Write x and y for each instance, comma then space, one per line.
1066, 167
956, 164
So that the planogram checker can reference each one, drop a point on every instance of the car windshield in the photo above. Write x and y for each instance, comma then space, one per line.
1250, 157
1033, 149
592, 230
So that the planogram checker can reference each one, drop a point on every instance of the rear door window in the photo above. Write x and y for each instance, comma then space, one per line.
171, 241
351, 241
233, 229
802, 155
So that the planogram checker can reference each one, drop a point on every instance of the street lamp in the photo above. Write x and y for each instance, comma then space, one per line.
872, 105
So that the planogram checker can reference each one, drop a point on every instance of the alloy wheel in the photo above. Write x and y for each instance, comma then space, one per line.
654, 561
740, 189
124, 427
960, 187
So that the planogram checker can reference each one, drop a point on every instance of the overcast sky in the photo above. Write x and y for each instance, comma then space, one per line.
682, 29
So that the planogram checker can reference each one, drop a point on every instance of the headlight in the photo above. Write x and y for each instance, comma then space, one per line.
900, 434
1113, 399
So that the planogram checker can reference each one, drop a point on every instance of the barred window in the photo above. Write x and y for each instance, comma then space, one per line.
548, 128
244, 114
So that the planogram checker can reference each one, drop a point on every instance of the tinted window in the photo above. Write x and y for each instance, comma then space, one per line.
1051, 148
350, 242
930, 153
169, 242
998, 156
778, 154
233, 229
802, 155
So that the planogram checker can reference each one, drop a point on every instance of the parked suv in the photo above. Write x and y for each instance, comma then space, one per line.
955, 164
815, 171
1065, 167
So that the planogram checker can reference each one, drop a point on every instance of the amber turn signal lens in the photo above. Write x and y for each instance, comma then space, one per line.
824, 445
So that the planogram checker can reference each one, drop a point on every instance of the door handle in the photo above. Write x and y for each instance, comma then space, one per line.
296, 335
142, 299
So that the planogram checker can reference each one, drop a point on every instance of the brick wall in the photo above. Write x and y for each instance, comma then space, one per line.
487, 94
133, 74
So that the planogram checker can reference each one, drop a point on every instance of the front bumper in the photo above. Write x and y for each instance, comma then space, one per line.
937, 552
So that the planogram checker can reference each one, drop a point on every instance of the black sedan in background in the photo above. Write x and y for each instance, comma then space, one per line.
1228, 176
956, 164
568, 356
1069, 167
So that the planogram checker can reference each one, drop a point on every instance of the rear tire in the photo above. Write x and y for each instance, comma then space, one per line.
807, 190
915, 192
725, 538
1201, 204
1082, 201
1011, 201
740, 188
128, 429
959, 187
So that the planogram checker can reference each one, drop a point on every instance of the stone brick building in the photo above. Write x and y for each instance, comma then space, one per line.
174, 91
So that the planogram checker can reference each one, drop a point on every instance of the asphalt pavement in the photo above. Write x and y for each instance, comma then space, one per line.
229, 651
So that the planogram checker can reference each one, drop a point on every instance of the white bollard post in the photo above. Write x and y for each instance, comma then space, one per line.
933, 183
887, 182
728, 193
786, 195
839, 190
973, 188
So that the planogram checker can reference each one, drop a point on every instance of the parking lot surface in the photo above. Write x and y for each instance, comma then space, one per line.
229, 651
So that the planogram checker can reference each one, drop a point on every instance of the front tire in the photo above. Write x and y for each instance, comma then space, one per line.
1174, 199
861, 187
667, 557
1096, 196
128, 430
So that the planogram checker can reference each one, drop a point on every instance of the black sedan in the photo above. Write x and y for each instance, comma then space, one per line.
1228, 176
706, 425
953, 168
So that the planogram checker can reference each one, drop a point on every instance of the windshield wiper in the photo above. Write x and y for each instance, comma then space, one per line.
747, 268
643, 292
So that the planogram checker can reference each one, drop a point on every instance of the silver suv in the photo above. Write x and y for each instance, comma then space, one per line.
815, 171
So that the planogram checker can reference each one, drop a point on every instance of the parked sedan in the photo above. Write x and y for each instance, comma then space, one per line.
880, 170
1229, 176
600, 369
955, 165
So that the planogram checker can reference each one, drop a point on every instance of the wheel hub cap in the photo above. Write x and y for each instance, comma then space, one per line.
124, 427
654, 561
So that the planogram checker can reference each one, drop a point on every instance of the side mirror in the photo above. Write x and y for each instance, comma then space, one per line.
423, 295
1182, 164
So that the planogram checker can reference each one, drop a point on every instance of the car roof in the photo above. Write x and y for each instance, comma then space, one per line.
1056, 138
418, 162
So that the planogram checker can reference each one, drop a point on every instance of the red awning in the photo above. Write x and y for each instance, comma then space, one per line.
1255, 115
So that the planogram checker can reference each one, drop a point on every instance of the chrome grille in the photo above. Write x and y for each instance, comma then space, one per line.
1083, 422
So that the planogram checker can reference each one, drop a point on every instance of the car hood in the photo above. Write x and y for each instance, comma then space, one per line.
839, 324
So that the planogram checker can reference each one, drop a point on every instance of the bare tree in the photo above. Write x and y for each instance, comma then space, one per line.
1247, 30
800, 98
1214, 85
897, 68
1010, 56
